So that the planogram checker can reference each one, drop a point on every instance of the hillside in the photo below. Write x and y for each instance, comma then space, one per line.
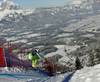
61, 34
87, 74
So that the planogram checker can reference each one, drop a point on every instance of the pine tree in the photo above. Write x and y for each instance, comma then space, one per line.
97, 56
78, 64
91, 60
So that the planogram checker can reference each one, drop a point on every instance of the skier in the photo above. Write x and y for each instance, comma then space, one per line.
33, 56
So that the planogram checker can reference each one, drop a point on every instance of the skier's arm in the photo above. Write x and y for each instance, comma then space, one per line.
27, 57
39, 56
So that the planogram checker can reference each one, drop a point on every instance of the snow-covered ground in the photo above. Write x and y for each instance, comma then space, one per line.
60, 51
87, 74
20, 75
87, 24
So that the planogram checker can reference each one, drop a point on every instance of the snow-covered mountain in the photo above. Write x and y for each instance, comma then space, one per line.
43, 16
8, 5
43, 26
82, 4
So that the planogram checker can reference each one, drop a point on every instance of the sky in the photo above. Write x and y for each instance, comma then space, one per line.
31, 4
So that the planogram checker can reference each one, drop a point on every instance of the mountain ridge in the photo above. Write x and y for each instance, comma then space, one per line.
8, 5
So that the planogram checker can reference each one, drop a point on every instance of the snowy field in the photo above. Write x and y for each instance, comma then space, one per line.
88, 24
87, 74
61, 52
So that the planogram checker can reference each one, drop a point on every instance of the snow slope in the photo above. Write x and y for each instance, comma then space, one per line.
20, 75
87, 74
88, 24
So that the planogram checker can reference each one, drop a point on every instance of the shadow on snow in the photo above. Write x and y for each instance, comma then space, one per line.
68, 77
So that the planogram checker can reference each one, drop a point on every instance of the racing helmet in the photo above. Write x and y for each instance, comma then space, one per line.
36, 50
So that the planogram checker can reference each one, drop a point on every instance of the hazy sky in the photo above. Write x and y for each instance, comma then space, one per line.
30, 4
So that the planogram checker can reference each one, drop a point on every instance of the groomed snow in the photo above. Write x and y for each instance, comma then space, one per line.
20, 75
87, 74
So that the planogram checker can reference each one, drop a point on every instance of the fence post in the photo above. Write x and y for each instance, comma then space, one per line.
28, 60
8, 54
4, 57
11, 54
21, 57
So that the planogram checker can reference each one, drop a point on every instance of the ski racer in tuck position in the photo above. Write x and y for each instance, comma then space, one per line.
34, 56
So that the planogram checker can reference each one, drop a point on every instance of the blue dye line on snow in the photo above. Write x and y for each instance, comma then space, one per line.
21, 76
11, 75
